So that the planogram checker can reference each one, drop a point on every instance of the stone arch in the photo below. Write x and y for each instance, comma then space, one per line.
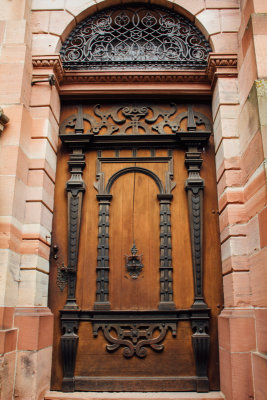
206, 20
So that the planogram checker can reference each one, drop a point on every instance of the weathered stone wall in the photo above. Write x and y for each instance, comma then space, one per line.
28, 149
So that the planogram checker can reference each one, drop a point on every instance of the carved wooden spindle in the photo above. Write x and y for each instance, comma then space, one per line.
166, 270
102, 281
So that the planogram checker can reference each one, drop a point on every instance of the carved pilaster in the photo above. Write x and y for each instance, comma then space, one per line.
201, 345
102, 280
166, 270
69, 344
194, 187
75, 188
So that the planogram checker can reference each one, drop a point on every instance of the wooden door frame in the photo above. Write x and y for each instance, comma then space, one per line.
166, 317
84, 84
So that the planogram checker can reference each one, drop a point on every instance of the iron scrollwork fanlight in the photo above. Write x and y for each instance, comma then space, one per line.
139, 37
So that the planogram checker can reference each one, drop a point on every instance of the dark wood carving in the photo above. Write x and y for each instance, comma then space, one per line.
194, 187
166, 270
135, 337
134, 264
201, 345
75, 188
134, 126
102, 288
164, 197
125, 124
69, 344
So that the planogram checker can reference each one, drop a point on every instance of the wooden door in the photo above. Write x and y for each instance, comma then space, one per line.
135, 282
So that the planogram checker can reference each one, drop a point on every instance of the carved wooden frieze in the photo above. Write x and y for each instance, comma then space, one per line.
109, 125
134, 338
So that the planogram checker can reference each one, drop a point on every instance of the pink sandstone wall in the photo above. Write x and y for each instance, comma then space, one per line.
28, 149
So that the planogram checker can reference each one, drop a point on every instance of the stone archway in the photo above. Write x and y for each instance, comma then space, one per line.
45, 100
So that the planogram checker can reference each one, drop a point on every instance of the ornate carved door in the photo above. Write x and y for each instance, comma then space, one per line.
135, 265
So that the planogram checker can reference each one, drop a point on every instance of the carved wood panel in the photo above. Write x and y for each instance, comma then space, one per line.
153, 188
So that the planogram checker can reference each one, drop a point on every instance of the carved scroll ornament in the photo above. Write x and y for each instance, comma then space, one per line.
135, 337
139, 37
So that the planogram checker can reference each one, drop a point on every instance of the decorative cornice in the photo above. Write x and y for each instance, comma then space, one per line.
221, 65
134, 76
47, 63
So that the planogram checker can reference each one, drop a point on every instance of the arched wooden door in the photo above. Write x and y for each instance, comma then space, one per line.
135, 283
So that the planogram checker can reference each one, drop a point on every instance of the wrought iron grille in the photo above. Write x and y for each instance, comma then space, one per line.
135, 37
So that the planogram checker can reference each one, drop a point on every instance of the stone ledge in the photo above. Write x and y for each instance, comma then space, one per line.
133, 396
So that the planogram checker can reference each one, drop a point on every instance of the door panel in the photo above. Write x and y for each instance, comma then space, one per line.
135, 193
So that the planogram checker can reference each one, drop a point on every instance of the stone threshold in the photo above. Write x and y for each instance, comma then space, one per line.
134, 396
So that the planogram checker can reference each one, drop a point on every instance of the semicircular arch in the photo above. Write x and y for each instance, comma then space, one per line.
130, 170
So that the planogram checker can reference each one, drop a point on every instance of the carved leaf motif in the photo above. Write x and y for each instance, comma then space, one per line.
135, 337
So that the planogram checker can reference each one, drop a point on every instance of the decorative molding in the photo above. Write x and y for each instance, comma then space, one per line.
77, 77
135, 337
162, 128
221, 65
49, 62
